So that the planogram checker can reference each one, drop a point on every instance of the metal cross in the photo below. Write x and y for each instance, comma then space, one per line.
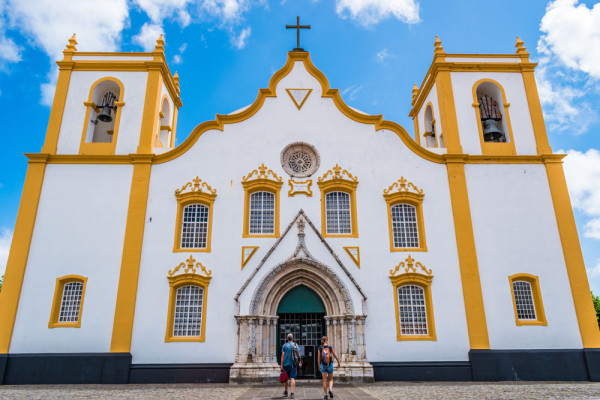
297, 27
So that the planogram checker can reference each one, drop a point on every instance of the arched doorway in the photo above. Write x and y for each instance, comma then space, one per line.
301, 312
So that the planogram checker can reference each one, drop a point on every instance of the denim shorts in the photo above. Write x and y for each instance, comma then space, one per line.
327, 369
291, 370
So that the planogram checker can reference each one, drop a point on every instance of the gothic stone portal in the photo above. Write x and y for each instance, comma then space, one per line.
256, 358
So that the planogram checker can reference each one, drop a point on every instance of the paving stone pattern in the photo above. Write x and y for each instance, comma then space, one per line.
312, 390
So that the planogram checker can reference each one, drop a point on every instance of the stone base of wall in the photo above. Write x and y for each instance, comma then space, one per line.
249, 372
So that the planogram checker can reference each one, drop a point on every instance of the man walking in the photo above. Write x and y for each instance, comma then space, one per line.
289, 364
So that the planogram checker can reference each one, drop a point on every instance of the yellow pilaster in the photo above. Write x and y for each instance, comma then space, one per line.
60, 98
467, 255
19, 249
580, 288
132, 253
151, 108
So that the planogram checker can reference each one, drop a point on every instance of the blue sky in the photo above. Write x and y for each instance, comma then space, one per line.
372, 50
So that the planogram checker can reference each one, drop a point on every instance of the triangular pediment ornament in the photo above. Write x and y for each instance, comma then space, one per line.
354, 253
299, 96
301, 251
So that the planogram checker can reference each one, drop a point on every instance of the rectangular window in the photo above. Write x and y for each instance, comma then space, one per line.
188, 311
337, 210
524, 300
404, 226
413, 310
71, 302
262, 213
194, 227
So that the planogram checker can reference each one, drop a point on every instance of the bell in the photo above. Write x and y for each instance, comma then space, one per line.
491, 131
105, 116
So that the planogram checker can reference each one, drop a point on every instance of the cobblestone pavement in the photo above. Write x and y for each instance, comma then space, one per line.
311, 390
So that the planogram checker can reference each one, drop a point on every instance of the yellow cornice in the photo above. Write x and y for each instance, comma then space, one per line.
437, 66
159, 64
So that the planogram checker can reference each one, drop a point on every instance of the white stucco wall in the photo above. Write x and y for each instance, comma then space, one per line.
71, 129
222, 158
462, 88
79, 230
516, 232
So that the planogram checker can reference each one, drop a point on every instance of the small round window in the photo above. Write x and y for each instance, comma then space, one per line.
300, 159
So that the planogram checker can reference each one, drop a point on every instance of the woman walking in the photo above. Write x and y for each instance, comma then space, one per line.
326, 355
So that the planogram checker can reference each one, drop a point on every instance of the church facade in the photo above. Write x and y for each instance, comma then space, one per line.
451, 254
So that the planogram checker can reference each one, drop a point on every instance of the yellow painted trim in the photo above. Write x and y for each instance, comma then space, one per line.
334, 181
467, 255
89, 148
491, 148
535, 111
174, 125
299, 106
447, 110
246, 259
293, 56
355, 259
132, 253
195, 196
537, 299
175, 282
580, 288
266, 180
412, 276
415, 200
150, 118
417, 135
19, 249
57, 301
57, 111
308, 192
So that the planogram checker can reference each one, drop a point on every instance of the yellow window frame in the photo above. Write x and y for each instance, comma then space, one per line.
338, 183
266, 181
57, 301
537, 299
415, 200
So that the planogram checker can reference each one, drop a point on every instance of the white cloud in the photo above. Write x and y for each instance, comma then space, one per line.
370, 12
383, 56
240, 40
225, 10
582, 171
159, 10
5, 240
177, 59
352, 91
148, 35
572, 32
9, 51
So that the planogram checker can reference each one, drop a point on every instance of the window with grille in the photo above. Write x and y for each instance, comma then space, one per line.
412, 310
71, 302
188, 311
262, 213
404, 225
337, 213
194, 227
524, 300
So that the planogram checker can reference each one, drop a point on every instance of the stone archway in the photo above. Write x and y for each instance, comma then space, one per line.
257, 331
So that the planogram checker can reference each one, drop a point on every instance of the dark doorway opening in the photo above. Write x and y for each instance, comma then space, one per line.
302, 313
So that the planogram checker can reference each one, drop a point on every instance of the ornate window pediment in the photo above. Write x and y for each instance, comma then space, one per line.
405, 216
412, 298
193, 225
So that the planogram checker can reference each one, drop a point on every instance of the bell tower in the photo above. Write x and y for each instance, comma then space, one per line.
113, 103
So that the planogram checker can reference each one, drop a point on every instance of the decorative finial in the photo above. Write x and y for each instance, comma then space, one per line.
438, 46
301, 224
72, 43
415, 90
520, 48
160, 44
176, 79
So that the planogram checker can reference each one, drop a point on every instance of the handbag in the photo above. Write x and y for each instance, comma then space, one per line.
283, 377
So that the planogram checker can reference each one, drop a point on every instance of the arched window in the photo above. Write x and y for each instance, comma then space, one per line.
261, 203
412, 309
338, 203
193, 223
68, 302
262, 213
527, 300
430, 132
103, 112
194, 227
405, 229
338, 213
163, 139
493, 120
188, 311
